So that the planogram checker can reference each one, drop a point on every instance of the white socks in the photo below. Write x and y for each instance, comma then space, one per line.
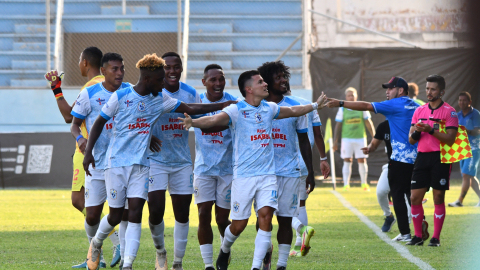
296, 224
158, 236
228, 240
91, 230
207, 254
132, 242
363, 171
114, 238
180, 236
283, 251
122, 229
346, 172
263, 242
303, 219
104, 230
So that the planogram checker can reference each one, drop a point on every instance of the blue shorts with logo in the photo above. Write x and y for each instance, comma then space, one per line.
469, 166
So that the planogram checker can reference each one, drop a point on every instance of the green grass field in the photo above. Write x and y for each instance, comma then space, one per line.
41, 230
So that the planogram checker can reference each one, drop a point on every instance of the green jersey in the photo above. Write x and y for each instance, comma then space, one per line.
353, 123
419, 102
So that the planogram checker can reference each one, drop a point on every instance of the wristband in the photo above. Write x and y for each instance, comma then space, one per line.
431, 131
57, 96
340, 103
57, 88
315, 105
416, 135
323, 158
79, 137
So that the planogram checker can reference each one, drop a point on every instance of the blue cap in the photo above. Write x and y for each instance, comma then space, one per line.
396, 82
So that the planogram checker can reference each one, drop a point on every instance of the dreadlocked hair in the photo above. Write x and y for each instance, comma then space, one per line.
269, 69
151, 62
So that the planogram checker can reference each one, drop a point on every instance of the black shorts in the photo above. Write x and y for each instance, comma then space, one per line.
430, 172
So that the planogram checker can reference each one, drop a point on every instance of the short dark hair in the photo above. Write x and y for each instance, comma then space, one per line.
211, 66
93, 55
465, 94
438, 79
244, 78
111, 57
174, 54
269, 69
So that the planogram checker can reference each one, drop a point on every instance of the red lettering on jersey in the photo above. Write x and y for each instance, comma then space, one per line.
279, 136
177, 135
279, 145
264, 144
275, 130
259, 137
173, 127
141, 119
172, 120
261, 130
217, 142
219, 134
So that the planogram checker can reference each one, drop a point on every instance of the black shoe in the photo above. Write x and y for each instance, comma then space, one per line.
434, 242
416, 241
255, 269
282, 268
387, 225
209, 268
222, 260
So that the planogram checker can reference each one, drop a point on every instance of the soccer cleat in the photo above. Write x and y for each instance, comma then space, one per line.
82, 265
177, 266
94, 254
282, 268
161, 261
102, 264
388, 224
346, 187
210, 268
116, 255
424, 201
455, 204
402, 238
120, 266
307, 233
416, 241
434, 242
295, 252
222, 260
425, 234
267, 260
366, 187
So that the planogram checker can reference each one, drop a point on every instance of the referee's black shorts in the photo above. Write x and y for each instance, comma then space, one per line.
428, 172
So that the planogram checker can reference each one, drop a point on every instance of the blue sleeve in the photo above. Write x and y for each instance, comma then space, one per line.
384, 107
176, 106
77, 115
106, 117
476, 119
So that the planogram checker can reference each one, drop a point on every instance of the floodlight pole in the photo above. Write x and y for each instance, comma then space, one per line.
186, 31
47, 32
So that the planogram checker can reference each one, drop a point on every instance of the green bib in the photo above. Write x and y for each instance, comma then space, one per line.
353, 125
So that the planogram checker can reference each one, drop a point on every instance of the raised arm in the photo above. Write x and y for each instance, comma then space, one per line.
353, 105
95, 132
55, 81
299, 110
221, 119
77, 133
200, 108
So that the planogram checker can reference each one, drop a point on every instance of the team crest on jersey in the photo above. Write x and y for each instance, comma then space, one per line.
258, 117
443, 182
100, 101
141, 106
245, 114
113, 194
453, 114
150, 180
128, 103
86, 193
236, 207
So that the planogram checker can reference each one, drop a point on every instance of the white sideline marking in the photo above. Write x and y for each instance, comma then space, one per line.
399, 247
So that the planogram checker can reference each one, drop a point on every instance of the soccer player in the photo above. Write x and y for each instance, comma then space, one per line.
413, 93
398, 109
315, 137
89, 65
429, 171
213, 167
351, 125
251, 122
288, 153
469, 117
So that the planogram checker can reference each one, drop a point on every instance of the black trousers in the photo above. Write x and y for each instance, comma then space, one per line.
399, 179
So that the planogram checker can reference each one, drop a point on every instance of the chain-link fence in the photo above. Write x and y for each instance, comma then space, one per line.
238, 35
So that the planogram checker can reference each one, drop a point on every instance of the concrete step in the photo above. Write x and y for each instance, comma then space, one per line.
211, 28
201, 64
30, 46
210, 46
20, 64
33, 28
197, 83
28, 83
131, 10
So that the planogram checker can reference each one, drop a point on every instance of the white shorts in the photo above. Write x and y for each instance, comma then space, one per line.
262, 189
95, 189
302, 189
351, 146
213, 188
287, 196
126, 182
176, 180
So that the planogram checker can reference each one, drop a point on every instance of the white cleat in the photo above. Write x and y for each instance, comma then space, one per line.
402, 238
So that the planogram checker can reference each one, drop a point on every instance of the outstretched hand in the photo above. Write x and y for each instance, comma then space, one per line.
322, 101
87, 160
186, 122
333, 103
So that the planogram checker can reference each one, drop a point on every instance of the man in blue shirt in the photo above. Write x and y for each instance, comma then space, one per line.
398, 109
470, 119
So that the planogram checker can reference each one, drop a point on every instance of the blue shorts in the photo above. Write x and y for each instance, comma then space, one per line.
469, 166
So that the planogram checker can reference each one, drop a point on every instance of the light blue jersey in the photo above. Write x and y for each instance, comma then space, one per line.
88, 106
175, 150
288, 159
312, 117
399, 112
213, 151
134, 115
251, 128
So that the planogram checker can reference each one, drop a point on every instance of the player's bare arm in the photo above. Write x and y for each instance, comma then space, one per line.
95, 132
370, 127
371, 147
77, 133
55, 81
299, 110
306, 151
353, 105
200, 108
205, 122
474, 132
336, 135
320, 143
